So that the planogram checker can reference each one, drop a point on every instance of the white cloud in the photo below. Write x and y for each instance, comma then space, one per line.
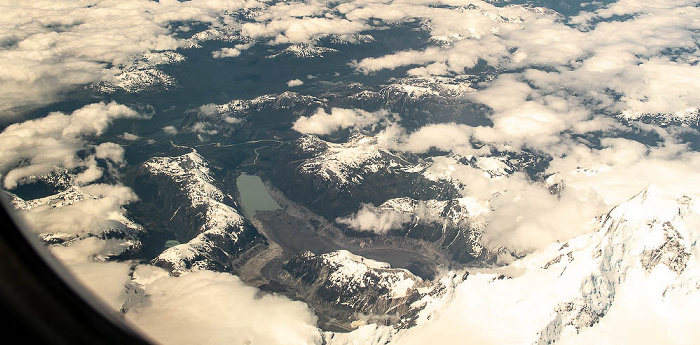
37, 147
301, 30
622, 167
443, 136
560, 77
295, 82
110, 151
526, 217
91, 174
210, 109
231, 52
218, 111
225, 52
404, 58
130, 136
203, 128
592, 62
80, 215
373, 219
339, 118
170, 130
586, 66
218, 308
523, 216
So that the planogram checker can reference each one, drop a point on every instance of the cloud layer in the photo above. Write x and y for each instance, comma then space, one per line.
205, 307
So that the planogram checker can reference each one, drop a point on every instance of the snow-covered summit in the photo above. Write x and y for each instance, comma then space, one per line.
417, 88
346, 164
142, 74
229, 117
304, 51
349, 267
687, 117
652, 238
284, 100
342, 285
400, 92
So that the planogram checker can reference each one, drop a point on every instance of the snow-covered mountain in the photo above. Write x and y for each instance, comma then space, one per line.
285, 100
341, 165
348, 281
469, 145
641, 267
687, 118
236, 115
420, 306
204, 218
413, 90
454, 225
305, 51
142, 74
648, 244
354, 291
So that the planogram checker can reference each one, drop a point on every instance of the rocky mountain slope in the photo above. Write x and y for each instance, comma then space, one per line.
353, 290
196, 210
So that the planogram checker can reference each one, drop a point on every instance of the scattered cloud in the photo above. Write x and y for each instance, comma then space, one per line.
202, 128
295, 82
558, 80
373, 219
231, 52
526, 217
301, 30
561, 78
170, 130
638, 64
323, 123
110, 151
225, 52
106, 280
622, 167
442, 136
37, 147
130, 136
522, 216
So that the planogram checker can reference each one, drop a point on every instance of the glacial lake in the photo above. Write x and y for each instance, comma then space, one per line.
254, 196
